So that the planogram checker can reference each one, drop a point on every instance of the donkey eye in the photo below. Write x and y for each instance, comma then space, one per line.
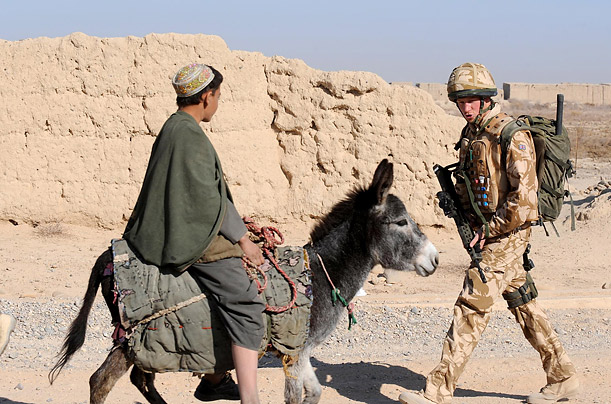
402, 222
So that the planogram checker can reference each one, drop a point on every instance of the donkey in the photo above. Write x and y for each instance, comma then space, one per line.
369, 227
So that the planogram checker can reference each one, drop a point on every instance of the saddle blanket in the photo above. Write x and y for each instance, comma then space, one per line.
173, 324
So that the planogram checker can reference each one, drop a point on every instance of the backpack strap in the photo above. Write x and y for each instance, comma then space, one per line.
565, 165
462, 135
572, 205
497, 123
507, 134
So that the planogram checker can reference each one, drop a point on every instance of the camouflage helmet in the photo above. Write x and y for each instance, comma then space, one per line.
471, 80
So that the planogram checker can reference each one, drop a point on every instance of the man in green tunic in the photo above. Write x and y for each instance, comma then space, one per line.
185, 219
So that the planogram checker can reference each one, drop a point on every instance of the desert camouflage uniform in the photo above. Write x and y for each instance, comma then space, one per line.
508, 201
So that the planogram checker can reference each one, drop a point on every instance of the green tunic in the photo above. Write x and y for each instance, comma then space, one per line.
183, 197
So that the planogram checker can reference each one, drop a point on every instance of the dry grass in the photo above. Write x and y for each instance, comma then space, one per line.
50, 230
589, 126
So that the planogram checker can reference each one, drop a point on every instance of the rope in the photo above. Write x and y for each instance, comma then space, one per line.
156, 315
177, 307
267, 235
335, 296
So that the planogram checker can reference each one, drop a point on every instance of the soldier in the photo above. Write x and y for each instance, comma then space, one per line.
503, 202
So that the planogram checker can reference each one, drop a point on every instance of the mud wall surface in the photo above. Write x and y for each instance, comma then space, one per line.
79, 114
595, 94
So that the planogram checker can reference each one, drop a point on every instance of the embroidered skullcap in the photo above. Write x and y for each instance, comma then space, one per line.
191, 79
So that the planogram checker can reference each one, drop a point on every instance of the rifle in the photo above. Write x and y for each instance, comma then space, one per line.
450, 203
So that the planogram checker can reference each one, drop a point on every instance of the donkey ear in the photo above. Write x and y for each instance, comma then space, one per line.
382, 180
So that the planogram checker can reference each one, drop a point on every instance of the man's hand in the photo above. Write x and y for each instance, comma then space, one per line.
479, 236
251, 250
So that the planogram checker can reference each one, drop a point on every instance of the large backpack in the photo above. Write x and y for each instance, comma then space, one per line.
553, 165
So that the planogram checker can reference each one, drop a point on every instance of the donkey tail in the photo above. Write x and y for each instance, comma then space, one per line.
76, 335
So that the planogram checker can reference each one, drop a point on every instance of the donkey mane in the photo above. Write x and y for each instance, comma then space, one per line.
359, 198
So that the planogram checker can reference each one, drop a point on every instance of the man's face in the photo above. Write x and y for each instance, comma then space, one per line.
470, 106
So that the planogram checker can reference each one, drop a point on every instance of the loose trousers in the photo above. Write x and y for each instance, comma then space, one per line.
503, 267
237, 299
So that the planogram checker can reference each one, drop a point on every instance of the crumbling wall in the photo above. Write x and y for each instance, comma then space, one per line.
79, 115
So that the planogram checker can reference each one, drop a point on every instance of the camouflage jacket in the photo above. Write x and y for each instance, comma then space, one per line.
505, 196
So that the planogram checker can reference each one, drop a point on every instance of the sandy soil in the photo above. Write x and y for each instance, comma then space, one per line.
43, 273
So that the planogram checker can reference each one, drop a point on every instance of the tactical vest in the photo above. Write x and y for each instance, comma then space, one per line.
481, 161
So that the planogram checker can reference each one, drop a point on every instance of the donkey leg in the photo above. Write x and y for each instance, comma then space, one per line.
301, 376
293, 383
102, 381
312, 387
145, 382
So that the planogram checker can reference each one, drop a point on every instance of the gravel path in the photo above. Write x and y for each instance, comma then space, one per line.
382, 333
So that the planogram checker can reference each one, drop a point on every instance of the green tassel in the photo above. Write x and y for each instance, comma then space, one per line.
334, 294
351, 320
341, 299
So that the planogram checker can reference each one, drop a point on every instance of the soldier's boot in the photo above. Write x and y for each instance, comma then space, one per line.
7, 325
408, 397
551, 393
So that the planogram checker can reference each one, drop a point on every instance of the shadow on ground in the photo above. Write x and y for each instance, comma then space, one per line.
4, 400
363, 381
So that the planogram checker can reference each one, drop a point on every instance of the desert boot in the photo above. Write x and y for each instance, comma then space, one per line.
557, 391
408, 397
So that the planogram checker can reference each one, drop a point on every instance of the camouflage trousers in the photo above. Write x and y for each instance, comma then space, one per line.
502, 264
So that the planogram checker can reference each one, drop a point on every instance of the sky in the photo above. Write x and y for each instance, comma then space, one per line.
537, 41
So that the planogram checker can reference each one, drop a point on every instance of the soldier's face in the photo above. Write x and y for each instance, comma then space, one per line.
470, 106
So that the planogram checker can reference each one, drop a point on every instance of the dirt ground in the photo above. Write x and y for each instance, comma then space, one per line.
44, 270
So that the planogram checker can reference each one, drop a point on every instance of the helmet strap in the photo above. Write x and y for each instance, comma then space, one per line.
482, 110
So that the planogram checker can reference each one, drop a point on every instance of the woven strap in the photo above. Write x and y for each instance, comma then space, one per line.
523, 295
